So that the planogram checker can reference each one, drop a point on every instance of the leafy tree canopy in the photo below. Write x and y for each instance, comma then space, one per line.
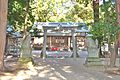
48, 11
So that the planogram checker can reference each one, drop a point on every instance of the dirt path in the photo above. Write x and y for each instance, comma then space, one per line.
60, 69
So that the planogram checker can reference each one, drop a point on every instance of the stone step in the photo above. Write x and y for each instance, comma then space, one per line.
94, 61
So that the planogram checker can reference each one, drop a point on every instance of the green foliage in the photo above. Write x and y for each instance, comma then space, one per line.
81, 12
107, 28
48, 11
17, 13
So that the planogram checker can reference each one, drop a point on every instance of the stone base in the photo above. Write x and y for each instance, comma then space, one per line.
94, 61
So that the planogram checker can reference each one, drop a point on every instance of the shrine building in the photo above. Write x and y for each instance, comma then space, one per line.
63, 36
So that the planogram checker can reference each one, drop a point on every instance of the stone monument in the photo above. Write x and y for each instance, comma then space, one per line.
92, 47
26, 46
93, 51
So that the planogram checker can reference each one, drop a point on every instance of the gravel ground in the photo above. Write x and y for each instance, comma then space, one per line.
60, 69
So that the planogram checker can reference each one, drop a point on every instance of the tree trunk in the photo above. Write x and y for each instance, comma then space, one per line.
26, 16
100, 51
117, 9
103, 1
113, 55
96, 10
114, 50
26, 47
3, 24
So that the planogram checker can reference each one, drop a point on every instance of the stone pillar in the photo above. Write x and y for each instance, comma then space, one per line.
44, 43
73, 43
26, 49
